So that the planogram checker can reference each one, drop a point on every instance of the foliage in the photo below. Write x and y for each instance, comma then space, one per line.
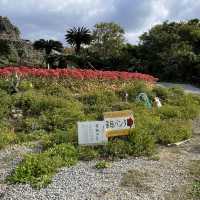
194, 172
108, 40
173, 131
38, 169
48, 46
102, 165
87, 153
171, 50
142, 142
6, 136
116, 148
78, 36
4, 48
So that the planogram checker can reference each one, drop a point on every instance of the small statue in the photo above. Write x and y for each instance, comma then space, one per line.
158, 102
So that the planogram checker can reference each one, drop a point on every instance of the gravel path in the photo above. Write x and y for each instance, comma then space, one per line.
188, 88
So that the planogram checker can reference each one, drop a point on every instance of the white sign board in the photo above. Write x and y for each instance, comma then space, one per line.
91, 133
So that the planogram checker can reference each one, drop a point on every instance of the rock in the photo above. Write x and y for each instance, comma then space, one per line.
21, 52
7, 30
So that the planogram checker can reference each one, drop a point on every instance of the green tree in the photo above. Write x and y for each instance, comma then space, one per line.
48, 46
78, 36
172, 50
108, 40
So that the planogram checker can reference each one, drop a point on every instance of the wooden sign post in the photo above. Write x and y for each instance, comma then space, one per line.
118, 123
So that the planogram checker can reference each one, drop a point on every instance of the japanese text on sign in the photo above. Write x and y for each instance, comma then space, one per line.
92, 132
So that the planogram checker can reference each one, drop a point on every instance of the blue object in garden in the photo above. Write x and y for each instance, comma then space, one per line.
143, 98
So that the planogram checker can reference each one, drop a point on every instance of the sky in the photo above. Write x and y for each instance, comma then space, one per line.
49, 19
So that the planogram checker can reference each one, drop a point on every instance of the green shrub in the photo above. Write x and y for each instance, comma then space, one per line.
34, 103
39, 135
121, 106
116, 149
25, 85
177, 91
173, 131
99, 101
6, 137
38, 169
56, 89
102, 165
5, 85
87, 153
67, 153
196, 189
143, 143
29, 124
168, 112
62, 118
6, 104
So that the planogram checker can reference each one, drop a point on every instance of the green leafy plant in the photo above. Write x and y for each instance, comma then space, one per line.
173, 131
102, 165
87, 153
38, 169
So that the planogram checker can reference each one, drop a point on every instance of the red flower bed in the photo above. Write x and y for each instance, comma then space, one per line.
75, 73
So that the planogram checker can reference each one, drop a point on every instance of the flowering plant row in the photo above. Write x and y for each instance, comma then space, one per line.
75, 73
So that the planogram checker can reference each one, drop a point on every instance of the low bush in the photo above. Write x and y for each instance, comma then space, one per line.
38, 169
98, 101
116, 148
171, 131
168, 112
39, 135
143, 143
7, 137
61, 118
6, 104
87, 153
25, 85
102, 165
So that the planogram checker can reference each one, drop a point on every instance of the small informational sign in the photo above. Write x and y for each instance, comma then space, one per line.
92, 133
118, 123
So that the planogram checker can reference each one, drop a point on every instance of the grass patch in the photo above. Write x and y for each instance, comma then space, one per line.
195, 173
135, 178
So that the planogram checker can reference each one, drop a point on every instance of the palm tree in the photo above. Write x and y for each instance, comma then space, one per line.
48, 46
78, 36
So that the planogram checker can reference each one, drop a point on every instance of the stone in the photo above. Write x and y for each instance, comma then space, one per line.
21, 50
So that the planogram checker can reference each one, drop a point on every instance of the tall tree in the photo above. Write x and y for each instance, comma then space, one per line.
172, 50
48, 46
108, 40
78, 36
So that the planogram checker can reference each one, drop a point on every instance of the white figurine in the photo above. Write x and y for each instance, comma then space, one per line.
158, 103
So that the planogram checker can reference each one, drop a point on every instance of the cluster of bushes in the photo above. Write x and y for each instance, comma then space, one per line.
51, 110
